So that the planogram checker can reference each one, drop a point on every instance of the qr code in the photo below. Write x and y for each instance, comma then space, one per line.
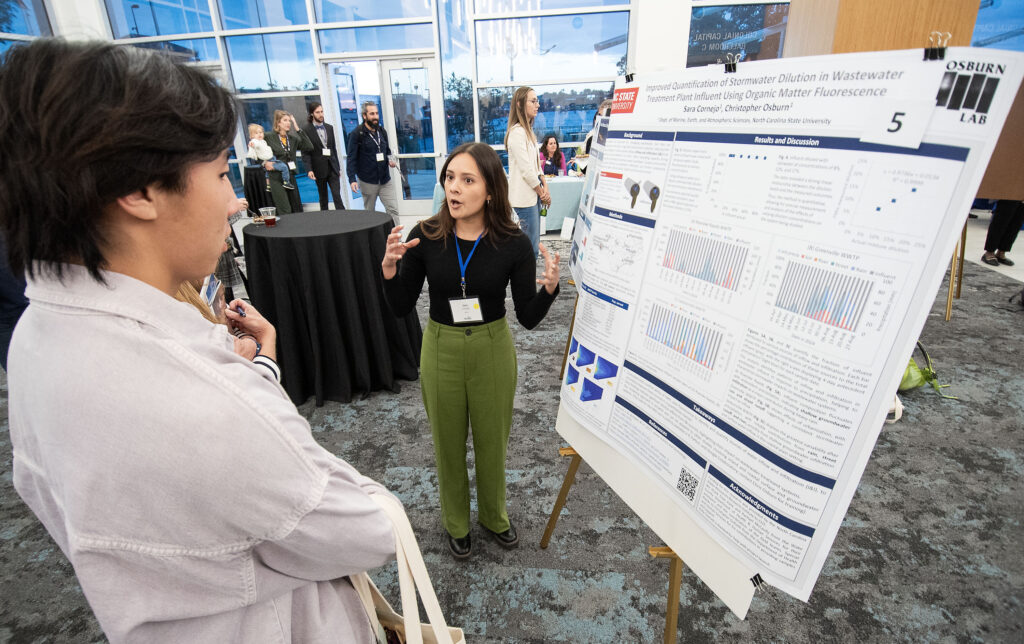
687, 484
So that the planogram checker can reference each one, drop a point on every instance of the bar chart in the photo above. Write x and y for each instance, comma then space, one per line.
710, 260
688, 337
828, 296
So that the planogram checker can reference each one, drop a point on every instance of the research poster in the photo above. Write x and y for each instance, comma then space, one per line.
761, 251
581, 228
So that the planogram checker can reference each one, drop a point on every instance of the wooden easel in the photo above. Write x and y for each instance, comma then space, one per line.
956, 272
675, 575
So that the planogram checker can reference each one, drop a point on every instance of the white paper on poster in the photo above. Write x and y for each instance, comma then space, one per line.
762, 253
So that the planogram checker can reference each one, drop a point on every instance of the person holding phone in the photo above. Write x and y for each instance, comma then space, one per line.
175, 475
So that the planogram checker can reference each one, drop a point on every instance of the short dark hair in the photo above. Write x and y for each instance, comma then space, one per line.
497, 210
85, 123
367, 104
312, 108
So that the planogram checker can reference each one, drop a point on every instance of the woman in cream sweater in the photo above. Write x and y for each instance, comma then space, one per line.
527, 188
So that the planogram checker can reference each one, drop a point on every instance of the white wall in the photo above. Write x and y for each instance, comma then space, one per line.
661, 35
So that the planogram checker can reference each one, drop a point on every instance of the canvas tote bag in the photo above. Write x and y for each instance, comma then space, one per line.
412, 577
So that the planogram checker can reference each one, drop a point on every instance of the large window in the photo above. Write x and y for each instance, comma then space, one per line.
272, 62
244, 14
750, 31
138, 18
351, 10
24, 17
456, 71
506, 6
551, 47
566, 110
339, 41
188, 51
261, 112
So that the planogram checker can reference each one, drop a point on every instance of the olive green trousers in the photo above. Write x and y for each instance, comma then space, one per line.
468, 379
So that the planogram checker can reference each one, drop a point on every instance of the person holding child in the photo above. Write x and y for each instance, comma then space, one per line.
285, 142
260, 152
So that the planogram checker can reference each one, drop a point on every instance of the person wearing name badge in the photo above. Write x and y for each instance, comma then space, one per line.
469, 253
527, 187
370, 162
286, 140
325, 166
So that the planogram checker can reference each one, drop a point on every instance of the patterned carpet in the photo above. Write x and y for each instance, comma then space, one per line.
930, 551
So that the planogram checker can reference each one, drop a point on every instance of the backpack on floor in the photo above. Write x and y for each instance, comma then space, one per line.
915, 376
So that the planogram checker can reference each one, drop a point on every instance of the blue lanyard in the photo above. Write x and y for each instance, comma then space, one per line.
464, 264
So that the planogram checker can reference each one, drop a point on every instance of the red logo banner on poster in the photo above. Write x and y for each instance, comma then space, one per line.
624, 100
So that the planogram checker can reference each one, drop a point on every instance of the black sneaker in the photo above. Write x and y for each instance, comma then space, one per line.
460, 547
288, 186
506, 539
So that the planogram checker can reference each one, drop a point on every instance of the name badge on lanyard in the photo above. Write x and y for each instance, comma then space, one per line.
465, 309
380, 152
291, 165
326, 152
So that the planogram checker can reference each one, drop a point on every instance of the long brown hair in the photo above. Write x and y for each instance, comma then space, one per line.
517, 114
497, 210
557, 156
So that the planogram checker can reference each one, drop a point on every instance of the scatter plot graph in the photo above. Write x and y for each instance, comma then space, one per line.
714, 261
684, 335
828, 296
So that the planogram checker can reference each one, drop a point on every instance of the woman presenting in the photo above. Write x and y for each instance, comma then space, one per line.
286, 139
469, 252
527, 188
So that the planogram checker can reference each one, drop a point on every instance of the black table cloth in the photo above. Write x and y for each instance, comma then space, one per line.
254, 186
316, 276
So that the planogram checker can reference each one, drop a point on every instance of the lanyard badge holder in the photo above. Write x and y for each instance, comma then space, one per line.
465, 310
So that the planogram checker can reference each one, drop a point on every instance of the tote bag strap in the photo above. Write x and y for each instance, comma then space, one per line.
361, 582
413, 576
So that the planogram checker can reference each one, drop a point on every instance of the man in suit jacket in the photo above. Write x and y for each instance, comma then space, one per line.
326, 166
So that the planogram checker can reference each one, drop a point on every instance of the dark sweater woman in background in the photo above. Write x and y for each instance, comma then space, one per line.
284, 142
552, 161
469, 252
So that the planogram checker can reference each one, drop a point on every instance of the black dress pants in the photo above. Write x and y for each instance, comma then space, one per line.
321, 186
1007, 218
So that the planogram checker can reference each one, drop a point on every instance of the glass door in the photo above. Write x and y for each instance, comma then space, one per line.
403, 90
415, 129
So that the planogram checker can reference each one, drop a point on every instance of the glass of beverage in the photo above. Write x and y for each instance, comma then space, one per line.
261, 218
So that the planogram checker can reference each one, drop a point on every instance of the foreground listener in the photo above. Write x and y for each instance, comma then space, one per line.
175, 475
469, 252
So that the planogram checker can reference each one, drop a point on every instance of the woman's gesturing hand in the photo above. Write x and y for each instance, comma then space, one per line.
394, 252
551, 273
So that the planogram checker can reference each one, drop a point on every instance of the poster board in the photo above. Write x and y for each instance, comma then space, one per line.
763, 251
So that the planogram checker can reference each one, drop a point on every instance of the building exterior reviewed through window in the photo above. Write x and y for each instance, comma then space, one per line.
442, 71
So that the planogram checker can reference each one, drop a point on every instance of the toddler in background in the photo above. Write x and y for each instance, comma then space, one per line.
259, 150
